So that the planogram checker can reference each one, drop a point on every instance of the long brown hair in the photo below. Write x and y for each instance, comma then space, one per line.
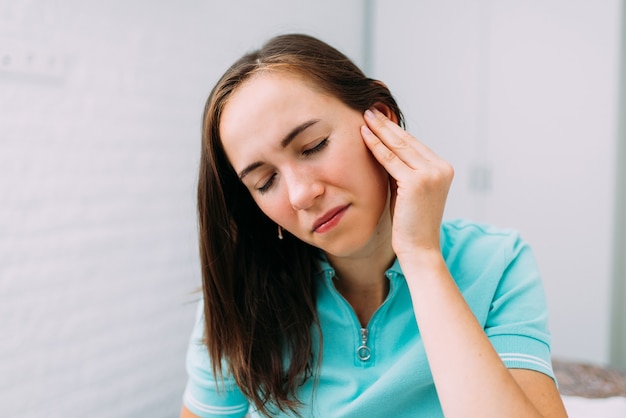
259, 292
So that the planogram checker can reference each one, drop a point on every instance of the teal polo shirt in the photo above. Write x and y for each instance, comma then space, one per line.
382, 370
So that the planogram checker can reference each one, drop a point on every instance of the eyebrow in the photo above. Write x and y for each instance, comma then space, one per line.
284, 144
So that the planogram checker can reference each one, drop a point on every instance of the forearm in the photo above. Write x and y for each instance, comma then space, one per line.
470, 378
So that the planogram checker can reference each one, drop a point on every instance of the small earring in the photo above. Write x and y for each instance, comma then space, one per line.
280, 232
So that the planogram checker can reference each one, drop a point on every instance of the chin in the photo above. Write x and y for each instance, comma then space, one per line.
352, 244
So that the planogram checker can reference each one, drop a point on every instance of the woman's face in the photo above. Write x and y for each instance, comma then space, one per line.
300, 154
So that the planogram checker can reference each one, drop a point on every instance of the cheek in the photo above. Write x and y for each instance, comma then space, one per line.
267, 207
274, 207
377, 180
377, 172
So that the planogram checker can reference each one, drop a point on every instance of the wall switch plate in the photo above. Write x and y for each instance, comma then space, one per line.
26, 58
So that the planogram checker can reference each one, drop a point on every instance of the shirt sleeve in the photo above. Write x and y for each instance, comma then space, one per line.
205, 395
517, 322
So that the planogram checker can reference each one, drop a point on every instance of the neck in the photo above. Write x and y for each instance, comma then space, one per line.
361, 279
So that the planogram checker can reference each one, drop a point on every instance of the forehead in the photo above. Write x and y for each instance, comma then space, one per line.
263, 93
267, 106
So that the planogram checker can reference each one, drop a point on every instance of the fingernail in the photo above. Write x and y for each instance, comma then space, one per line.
365, 130
369, 114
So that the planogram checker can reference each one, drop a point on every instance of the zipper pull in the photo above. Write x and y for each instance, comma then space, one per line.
363, 352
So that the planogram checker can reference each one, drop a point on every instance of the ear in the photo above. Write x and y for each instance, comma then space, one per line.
386, 110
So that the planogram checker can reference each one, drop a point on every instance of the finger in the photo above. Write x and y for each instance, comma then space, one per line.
396, 167
395, 137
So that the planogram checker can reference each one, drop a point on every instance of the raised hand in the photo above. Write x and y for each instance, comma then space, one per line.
419, 180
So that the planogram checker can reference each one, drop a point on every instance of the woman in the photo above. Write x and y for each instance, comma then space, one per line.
331, 285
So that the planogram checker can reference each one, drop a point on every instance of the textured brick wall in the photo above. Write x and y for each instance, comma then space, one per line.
98, 161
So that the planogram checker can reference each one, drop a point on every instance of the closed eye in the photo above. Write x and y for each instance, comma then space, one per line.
266, 186
270, 182
320, 146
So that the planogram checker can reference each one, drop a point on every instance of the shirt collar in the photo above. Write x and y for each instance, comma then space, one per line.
327, 270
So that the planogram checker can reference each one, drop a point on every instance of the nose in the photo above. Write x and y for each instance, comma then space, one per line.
303, 189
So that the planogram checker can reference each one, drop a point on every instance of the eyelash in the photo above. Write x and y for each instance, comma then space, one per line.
263, 189
316, 148
267, 185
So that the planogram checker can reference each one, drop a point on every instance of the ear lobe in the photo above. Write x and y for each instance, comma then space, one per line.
386, 110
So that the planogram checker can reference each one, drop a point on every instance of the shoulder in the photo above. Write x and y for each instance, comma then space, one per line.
206, 394
467, 240
496, 259
460, 231
497, 273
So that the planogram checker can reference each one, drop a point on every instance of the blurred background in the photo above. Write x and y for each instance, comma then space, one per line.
100, 108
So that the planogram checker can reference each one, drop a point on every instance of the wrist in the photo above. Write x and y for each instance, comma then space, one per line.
421, 258
422, 263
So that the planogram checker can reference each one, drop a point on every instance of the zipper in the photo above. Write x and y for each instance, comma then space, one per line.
363, 352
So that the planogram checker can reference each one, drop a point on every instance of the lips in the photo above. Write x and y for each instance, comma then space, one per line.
328, 221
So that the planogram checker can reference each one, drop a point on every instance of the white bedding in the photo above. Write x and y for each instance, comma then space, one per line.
577, 407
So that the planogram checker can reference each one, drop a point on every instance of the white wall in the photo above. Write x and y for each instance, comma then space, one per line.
618, 324
98, 161
98, 158
526, 92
